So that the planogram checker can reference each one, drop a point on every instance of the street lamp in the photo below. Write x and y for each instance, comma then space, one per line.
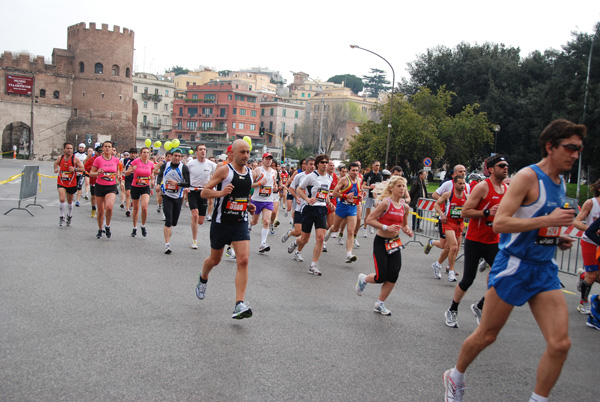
322, 106
387, 148
496, 131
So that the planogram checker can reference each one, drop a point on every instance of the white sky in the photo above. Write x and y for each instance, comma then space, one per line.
309, 36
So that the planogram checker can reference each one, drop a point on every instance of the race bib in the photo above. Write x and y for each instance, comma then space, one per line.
196, 188
322, 194
66, 175
393, 245
264, 191
237, 204
548, 236
455, 212
171, 187
142, 181
108, 176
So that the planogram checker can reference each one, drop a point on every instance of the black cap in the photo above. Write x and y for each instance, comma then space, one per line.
493, 160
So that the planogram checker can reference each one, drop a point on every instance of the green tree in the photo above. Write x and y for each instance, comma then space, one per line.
298, 152
375, 82
350, 81
178, 70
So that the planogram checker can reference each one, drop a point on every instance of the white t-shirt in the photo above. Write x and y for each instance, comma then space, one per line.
317, 186
200, 172
448, 186
264, 193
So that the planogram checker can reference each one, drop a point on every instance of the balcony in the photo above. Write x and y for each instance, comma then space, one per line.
150, 126
146, 96
156, 98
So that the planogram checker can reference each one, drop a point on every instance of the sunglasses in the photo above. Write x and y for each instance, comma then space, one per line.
572, 147
324, 162
502, 165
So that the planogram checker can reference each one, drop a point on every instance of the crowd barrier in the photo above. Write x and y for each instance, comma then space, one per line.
30, 178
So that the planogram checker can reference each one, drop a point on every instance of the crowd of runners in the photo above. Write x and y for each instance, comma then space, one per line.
514, 233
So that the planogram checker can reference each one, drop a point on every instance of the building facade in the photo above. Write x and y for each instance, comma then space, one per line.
281, 120
154, 95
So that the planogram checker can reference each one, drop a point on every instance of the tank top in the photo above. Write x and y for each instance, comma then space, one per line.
393, 215
265, 192
352, 188
66, 178
142, 174
232, 209
526, 245
592, 216
480, 229
110, 168
454, 207
170, 173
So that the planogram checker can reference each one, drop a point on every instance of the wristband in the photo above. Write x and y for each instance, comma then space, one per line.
486, 212
385, 227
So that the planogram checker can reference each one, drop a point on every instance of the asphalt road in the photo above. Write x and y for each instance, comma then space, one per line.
83, 319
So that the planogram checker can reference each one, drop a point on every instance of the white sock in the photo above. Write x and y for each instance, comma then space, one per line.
135, 228
536, 398
264, 234
313, 264
61, 206
457, 376
70, 209
348, 254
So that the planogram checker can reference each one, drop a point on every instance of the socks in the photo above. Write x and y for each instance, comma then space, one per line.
70, 209
61, 206
264, 234
454, 306
537, 398
585, 290
457, 377
480, 304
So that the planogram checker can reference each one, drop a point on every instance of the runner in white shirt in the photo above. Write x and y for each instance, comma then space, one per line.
201, 170
265, 185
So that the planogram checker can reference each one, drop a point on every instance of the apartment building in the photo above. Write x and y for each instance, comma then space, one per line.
154, 95
281, 120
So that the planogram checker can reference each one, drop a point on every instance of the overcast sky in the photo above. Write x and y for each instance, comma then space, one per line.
309, 36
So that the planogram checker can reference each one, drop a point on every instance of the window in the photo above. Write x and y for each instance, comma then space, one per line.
56, 95
209, 96
295, 128
253, 113
145, 90
206, 125
42, 93
181, 111
135, 88
309, 95
75, 112
145, 105
191, 125
262, 112
242, 125
222, 112
303, 94
229, 97
144, 134
253, 127
99, 68
270, 126
166, 107
242, 112
156, 123
81, 67
283, 127
296, 114
271, 112
155, 106
240, 98
207, 110
251, 99
234, 110
195, 96
127, 72
284, 113
155, 91
115, 70
192, 137
166, 92
165, 121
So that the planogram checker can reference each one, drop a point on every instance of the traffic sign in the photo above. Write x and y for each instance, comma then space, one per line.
427, 168
427, 162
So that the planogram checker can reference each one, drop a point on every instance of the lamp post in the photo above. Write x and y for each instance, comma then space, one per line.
322, 106
387, 148
496, 131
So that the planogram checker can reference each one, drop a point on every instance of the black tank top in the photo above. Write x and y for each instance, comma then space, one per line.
232, 209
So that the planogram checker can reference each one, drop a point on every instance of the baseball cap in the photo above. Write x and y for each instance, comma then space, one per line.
82, 145
386, 172
267, 155
98, 148
230, 148
97, 144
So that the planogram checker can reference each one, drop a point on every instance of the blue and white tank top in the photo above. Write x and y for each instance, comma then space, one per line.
172, 191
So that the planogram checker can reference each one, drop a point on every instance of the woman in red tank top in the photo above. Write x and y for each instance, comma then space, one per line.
389, 218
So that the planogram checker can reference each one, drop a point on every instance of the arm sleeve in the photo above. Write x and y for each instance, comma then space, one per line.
185, 172
592, 232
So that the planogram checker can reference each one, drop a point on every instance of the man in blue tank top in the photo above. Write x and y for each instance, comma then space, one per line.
529, 218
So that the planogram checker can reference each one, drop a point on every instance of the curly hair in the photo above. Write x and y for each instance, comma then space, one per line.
384, 189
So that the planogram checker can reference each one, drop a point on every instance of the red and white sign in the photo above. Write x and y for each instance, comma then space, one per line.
19, 85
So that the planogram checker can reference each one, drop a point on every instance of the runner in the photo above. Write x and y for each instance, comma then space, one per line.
176, 177
67, 167
88, 167
201, 170
314, 190
347, 191
264, 178
133, 154
417, 190
529, 220
590, 211
276, 197
389, 217
591, 233
230, 186
369, 182
481, 241
159, 180
105, 170
142, 182
81, 154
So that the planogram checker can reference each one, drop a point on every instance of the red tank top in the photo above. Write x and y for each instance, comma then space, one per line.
393, 215
454, 207
65, 177
480, 229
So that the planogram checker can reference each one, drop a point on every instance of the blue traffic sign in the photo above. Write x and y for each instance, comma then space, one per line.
427, 162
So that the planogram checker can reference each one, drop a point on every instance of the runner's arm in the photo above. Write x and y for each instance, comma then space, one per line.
470, 208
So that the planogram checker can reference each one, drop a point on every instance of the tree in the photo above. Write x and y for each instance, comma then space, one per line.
298, 152
178, 70
375, 83
350, 81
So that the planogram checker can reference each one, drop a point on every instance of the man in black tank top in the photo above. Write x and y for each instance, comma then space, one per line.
230, 185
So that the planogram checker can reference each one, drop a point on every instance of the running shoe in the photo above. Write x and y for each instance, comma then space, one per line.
77, 204
107, 231
159, 208
122, 206
350, 258
436, 270
364, 232
276, 223
428, 246
356, 243
164, 218
144, 232
592, 322
298, 256
195, 245
69, 220
327, 234
99, 234
271, 229
451, 276
168, 249
451, 318
241, 310
584, 307
580, 277
93, 214
292, 221
61, 221
314, 270
134, 232
128, 213
483, 265
476, 312
324, 247
334, 235
370, 230
230, 253
85, 197
285, 214
380, 308
208, 218
448, 270
201, 289
286, 236
264, 248
292, 247
341, 240
361, 284
454, 392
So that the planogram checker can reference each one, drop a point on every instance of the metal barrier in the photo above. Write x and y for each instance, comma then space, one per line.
29, 186
570, 260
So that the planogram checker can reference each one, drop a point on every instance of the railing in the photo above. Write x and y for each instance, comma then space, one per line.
151, 126
146, 96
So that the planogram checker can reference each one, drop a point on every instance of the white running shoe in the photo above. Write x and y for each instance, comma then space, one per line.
380, 308
356, 243
454, 392
341, 240
298, 257
482, 265
364, 232
292, 247
451, 276
451, 320
361, 284
195, 245
314, 270
286, 236
436, 270
168, 249
585, 307
264, 248
370, 230
327, 234
334, 235
350, 258
476, 312
230, 253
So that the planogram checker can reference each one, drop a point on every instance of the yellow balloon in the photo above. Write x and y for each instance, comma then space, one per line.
175, 143
148, 142
248, 140
191, 152
250, 147
157, 144
168, 145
